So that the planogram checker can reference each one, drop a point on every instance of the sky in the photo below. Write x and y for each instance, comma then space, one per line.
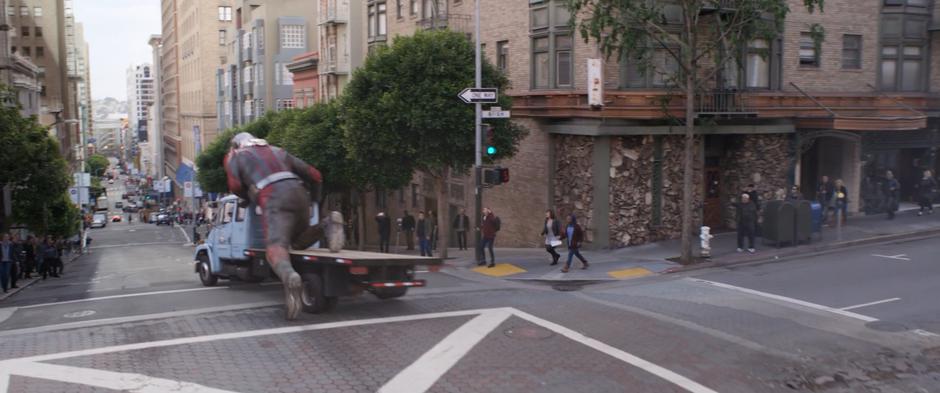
117, 32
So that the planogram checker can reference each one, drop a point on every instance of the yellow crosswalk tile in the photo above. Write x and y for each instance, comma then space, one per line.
500, 270
633, 272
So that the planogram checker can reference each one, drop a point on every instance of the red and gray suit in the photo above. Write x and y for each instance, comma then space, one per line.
278, 183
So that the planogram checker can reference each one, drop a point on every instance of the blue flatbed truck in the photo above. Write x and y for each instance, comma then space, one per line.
234, 249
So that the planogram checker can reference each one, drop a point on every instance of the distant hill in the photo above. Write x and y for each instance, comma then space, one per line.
104, 107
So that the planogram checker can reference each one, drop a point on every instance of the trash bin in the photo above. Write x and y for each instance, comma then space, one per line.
816, 211
779, 222
804, 221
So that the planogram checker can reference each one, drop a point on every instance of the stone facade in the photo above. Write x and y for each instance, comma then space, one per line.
763, 160
573, 179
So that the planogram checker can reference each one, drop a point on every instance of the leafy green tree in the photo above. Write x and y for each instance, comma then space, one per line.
704, 39
32, 166
402, 114
96, 164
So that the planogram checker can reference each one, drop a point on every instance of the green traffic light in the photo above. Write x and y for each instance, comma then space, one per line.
490, 150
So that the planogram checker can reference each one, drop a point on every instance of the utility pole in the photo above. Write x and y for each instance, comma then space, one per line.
478, 164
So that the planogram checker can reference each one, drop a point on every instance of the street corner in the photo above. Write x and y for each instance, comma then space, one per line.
629, 273
500, 270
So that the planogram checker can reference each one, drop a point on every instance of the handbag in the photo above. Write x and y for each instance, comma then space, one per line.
555, 243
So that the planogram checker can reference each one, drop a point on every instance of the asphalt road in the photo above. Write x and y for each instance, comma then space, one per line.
133, 315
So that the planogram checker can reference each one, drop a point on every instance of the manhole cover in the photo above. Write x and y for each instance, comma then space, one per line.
529, 333
885, 326
79, 314
566, 287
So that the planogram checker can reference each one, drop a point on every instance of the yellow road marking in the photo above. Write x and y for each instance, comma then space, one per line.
629, 273
500, 270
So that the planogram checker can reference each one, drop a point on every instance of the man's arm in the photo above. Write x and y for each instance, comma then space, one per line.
232, 178
307, 172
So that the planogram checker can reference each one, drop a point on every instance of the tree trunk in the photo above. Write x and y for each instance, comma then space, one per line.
443, 213
687, 194
362, 222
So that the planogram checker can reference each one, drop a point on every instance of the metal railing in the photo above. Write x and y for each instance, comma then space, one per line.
456, 22
722, 102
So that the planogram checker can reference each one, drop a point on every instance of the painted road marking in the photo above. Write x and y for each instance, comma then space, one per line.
790, 300
894, 299
79, 314
500, 270
634, 272
92, 299
900, 257
135, 245
448, 353
126, 382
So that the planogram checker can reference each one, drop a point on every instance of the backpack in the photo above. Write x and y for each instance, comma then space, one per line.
497, 224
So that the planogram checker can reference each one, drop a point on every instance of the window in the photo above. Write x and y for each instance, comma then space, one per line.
38, 31
24, 31
37, 12
292, 36
398, 9
11, 11
414, 7
40, 52
27, 52
378, 23
24, 10
851, 52
284, 76
912, 3
809, 57
225, 14
248, 108
221, 37
227, 212
502, 56
757, 64
240, 214
903, 46
284, 104
552, 44
259, 73
381, 201
414, 194
383, 21
372, 16
657, 71
247, 73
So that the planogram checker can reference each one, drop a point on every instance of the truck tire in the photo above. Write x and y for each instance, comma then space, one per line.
205, 272
312, 299
390, 293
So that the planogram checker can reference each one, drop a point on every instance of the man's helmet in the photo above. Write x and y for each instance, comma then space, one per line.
244, 139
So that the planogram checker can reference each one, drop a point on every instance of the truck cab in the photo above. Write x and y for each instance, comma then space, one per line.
233, 231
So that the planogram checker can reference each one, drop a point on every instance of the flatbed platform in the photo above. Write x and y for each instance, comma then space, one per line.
352, 257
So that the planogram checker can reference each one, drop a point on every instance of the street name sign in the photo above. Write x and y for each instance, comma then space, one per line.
495, 112
479, 96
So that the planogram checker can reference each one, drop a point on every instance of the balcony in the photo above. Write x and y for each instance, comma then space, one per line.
337, 12
454, 22
842, 111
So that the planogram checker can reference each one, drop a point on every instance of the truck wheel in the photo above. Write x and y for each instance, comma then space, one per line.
390, 293
313, 300
205, 272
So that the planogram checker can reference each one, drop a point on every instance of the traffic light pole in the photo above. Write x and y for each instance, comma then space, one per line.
478, 164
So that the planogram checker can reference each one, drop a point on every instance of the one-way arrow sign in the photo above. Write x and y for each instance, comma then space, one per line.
479, 96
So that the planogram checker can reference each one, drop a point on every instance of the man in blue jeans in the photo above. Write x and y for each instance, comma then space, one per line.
6, 261
423, 232
488, 230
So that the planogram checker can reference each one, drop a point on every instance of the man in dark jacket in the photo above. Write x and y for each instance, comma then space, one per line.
408, 226
488, 229
926, 190
747, 222
892, 190
461, 226
278, 183
575, 236
423, 232
385, 230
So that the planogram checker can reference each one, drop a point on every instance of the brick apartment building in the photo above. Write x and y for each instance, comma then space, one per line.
864, 103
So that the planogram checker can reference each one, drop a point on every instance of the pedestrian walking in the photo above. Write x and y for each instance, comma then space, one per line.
29, 257
755, 196
824, 193
16, 265
575, 237
841, 199
461, 226
6, 261
488, 228
385, 230
408, 226
423, 232
551, 231
793, 195
892, 191
746, 222
926, 191
50, 256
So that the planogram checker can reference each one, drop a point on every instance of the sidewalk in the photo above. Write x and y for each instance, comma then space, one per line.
25, 283
633, 262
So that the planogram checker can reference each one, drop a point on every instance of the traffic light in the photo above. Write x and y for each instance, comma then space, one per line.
495, 176
488, 138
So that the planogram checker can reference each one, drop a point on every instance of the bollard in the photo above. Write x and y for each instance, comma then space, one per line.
706, 238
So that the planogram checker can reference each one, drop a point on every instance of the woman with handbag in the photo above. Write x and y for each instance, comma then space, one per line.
550, 231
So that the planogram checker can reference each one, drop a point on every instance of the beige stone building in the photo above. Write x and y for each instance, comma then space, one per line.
859, 106
341, 42
168, 76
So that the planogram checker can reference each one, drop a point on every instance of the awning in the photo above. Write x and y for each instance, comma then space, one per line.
185, 173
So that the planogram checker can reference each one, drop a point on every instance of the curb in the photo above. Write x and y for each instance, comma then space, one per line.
812, 251
27, 284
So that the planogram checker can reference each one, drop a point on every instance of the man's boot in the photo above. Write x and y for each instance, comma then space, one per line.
293, 289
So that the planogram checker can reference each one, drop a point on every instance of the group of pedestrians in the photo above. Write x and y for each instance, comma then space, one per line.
20, 258
572, 236
423, 230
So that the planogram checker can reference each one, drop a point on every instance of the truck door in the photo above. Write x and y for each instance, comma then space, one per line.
238, 234
223, 247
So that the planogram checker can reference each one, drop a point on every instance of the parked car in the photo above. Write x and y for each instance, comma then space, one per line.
118, 205
164, 219
99, 221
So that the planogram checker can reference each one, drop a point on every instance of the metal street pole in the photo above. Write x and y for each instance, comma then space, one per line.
478, 164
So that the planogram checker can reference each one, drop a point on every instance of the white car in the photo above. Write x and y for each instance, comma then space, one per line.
99, 221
